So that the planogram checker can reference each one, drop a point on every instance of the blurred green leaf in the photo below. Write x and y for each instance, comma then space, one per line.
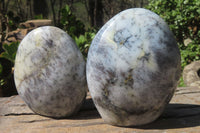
40, 16
10, 51
76, 29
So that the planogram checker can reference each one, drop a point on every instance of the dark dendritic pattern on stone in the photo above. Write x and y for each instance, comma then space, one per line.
50, 72
133, 67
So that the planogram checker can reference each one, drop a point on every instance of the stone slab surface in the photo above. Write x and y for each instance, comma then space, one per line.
182, 115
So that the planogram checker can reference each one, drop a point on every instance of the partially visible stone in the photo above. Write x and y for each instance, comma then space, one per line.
26, 27
36, 23
191, 74
187, 41
11, 39
16, 35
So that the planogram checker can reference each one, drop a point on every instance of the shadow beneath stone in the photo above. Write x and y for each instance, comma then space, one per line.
177, 116
88, 105
87, 111
85, 115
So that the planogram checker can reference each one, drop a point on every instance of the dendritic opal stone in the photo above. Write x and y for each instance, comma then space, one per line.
50, 73
133, 67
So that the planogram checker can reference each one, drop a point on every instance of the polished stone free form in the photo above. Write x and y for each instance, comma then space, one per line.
50, 72
133, 66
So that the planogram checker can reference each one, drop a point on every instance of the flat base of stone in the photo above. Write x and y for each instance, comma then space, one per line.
181, 115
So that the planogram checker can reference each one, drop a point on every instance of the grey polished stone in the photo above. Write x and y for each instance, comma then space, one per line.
50, 72
133, 67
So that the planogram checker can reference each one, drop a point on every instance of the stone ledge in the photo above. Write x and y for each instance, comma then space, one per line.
36, 23
191, 74
181, 115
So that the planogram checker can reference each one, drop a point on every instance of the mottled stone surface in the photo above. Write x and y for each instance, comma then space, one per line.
133, 67
182, 115
50, 72
191, 74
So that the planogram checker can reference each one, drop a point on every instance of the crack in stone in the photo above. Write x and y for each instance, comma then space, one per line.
77, 125
15, 114
33, 121
187, 93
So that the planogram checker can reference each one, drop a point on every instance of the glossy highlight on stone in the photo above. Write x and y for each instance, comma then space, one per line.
50, 73
133, 66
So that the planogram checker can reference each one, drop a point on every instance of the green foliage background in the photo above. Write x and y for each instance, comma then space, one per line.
76, 29
183, 18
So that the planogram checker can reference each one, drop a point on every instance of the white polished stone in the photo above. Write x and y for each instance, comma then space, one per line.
50, 72
133, 67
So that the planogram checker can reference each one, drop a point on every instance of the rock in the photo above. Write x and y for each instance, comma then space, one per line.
16, 35
181, 115
11, 39
50, 72
187, 41
133, 66
191, 74
13, 105
26, 27
36, 23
